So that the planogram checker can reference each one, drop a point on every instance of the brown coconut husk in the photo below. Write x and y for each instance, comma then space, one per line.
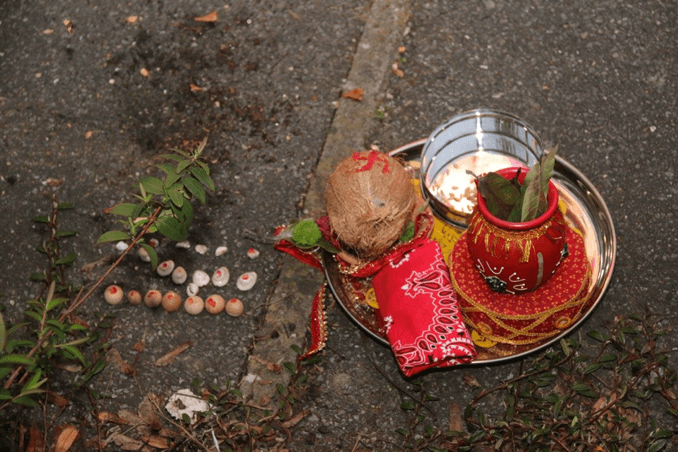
369, 200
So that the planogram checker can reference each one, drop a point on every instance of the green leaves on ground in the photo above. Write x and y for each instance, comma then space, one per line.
164, 204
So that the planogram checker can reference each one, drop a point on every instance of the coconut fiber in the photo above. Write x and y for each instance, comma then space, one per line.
369, 200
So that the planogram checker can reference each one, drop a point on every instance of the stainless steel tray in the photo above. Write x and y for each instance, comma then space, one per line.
586, 211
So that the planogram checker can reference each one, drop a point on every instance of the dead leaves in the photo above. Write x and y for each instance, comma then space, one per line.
113, 356
211, 17
171, 356
355, 94
66, 439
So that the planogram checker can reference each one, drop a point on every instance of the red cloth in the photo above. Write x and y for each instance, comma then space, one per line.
419, 309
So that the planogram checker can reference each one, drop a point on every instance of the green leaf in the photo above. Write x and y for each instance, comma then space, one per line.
65, 206
596, 335
500, 195
171, 228
16, 359
41, 219
152, 254
290, 367
583, 389
187, 210
183, 164
152, 185
126, 209
38, 277
176, 194
4, 371
3, 334
176, 158
195, 188
656, 446
592, 368
281, 389
202, 176
74, 353
296, 349
66, 260
66, 234
166, 167
533, 199
112, 236
407, 406
402, 431
54, 302
26, 401
34, 382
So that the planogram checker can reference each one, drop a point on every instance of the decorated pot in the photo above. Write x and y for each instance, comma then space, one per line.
517, 257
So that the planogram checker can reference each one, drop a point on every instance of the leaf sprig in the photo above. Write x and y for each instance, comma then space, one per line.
513, 201
164, 204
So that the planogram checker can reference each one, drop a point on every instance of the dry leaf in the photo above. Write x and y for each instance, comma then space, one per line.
196, 88
211, 17
157, 441
127, 443
397, 71
105, 416
144, 72
291, 422
354, 94
456, 423
48, 31
138, 346
402, 49
471, 381
171, 356
57, 400
36, 442
148, 414
69, 25
88, 134
113, 356
132, 19
66, 439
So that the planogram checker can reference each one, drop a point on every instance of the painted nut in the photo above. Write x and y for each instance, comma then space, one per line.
201, 278
246, 281
220, 277
234, 307
153, 298
194, 305
171, 301
165, 268
214, 304
134, 297
179, 275
252, 253
192, 289
113, 295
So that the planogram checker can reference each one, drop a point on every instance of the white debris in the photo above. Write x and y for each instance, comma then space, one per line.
200, 249
185, 402
121, 246
220, 251
185, 245
201, 278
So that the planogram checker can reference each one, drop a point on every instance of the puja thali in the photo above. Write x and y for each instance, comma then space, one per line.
585, 211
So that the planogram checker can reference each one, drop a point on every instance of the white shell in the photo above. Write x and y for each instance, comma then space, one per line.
214, 304
220, 277
192, 289
220, 251
234, 307
246, 281
113, 295
185, 402
252, 253
165, 268
194, 305
143, 255
200, 249
185, 244
121, 246
201, 278
179, 275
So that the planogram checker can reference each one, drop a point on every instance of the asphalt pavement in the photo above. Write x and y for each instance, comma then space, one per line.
91, 94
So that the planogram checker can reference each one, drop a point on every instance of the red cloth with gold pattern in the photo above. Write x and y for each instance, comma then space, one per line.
419, 310
525, 318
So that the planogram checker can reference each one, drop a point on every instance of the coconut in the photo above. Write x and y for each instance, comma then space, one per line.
369, 200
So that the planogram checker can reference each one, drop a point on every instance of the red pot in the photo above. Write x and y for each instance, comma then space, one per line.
517, 257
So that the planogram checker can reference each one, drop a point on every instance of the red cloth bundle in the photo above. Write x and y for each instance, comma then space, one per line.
419, 309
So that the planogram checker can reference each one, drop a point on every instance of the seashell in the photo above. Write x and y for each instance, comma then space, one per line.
134, 297
215, 304
220, 251
201, 278
252, 253
143, 254
194, 305
153, 298
220, 277
200, 249
171, 301
113, 295
234, 307
179, 275
165, 268
185, 244
246, 281
121, 246
192, 289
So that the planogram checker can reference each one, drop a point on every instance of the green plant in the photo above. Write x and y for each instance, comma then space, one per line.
513, 201
164, 204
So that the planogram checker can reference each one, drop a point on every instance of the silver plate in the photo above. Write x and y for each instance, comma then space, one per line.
586, 211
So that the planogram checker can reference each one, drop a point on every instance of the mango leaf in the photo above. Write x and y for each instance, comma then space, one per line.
151, 253
171, 228
531, 198
195, 188
500, 195
152, 185
547, 164
202, 176
112, 236
125, 209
